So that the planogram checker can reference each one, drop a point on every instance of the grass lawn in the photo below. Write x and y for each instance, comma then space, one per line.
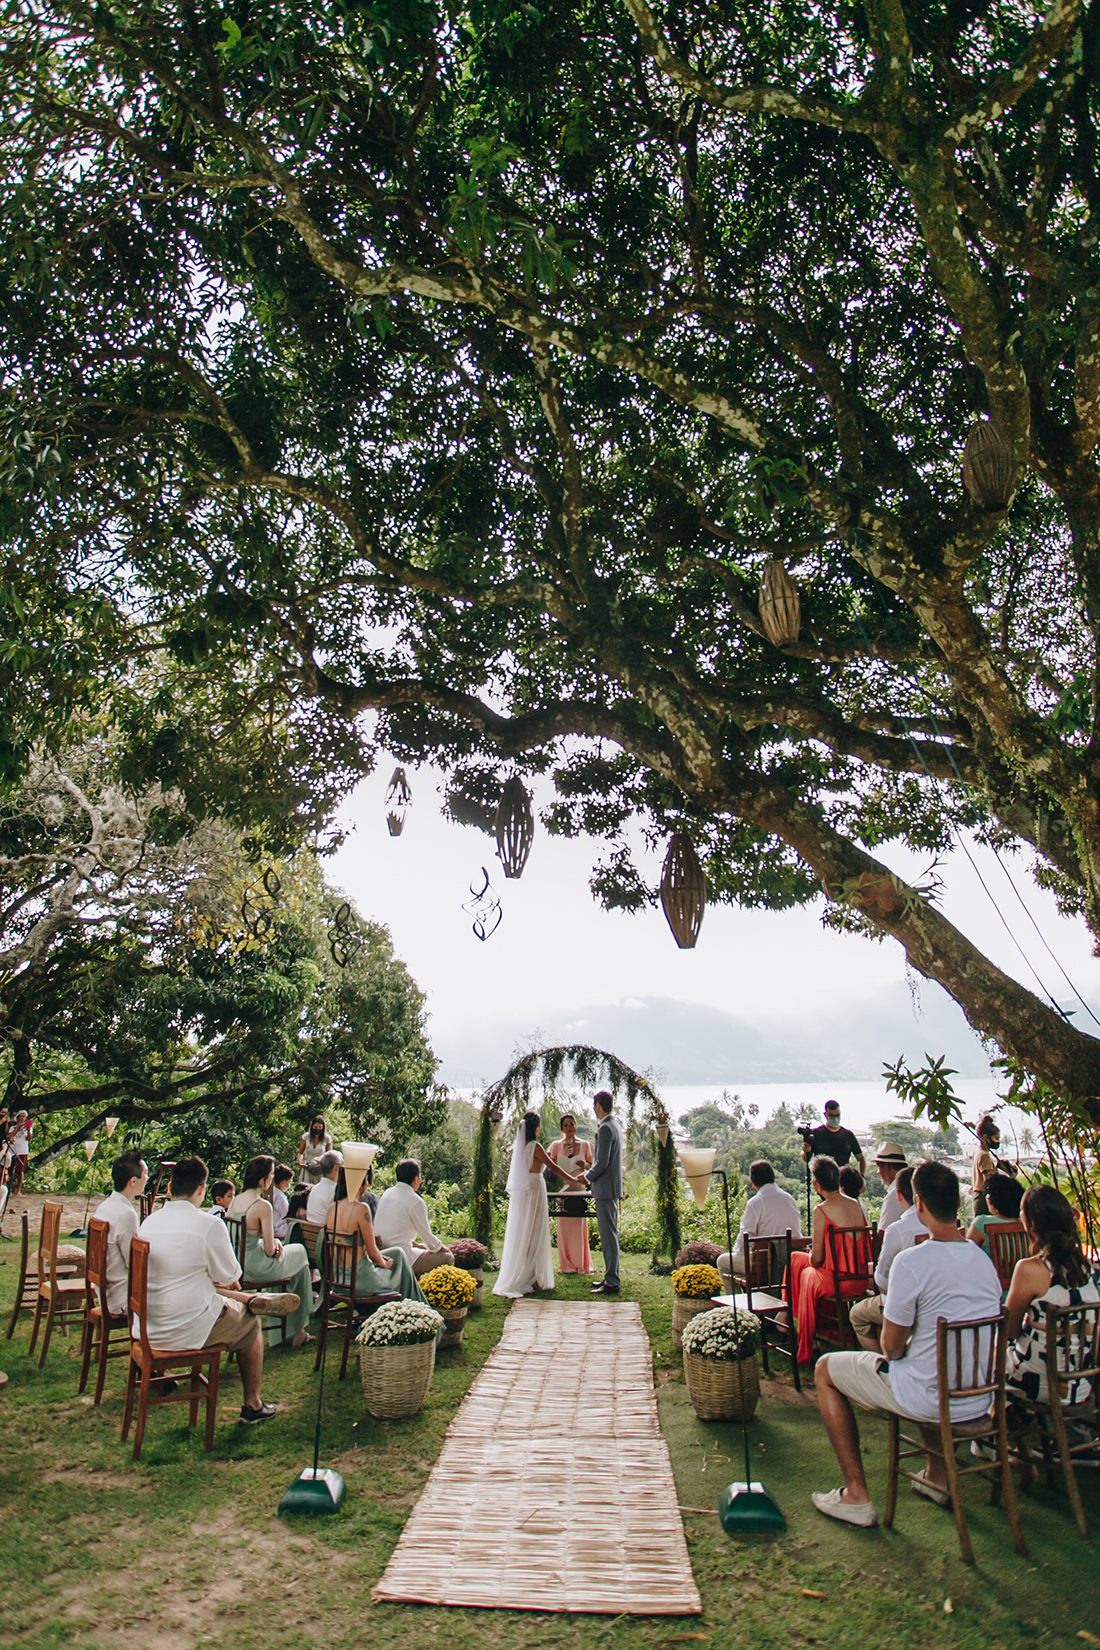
182, 1550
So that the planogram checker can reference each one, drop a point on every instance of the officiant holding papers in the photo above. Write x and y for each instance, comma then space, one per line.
571, 1156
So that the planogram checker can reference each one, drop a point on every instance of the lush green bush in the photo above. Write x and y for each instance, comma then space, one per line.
639, 1227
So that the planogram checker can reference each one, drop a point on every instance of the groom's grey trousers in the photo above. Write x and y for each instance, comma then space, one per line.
607, 1215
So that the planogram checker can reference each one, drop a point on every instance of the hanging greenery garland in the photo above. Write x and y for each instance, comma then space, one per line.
481, 1196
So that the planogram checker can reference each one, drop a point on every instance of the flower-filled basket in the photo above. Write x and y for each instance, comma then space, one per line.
697, 1253
397, 1356
693, 1288
450, 1289
723, 1379
469, 1255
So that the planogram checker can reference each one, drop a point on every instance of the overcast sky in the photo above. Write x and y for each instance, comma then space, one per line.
764, 997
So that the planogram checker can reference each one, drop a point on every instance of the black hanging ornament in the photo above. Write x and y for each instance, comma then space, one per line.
683, 890
515, 827
484, 907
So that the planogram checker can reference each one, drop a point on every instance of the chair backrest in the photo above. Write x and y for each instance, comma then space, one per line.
877, 1234
851, 1251
238, 1236
95, 1264
766, 1261
1073, 1349
970, 1358
309, 1233
340, 1259
1008, 1243
48, 1237
139, 1292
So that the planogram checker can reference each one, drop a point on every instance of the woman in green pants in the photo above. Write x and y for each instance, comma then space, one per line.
266, 1260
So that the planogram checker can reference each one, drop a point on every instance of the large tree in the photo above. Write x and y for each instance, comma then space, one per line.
464, 364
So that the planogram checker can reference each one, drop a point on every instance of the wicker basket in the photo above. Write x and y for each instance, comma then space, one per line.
715, 1385
479, 1278
396, 1378
454, 1326
684, 1308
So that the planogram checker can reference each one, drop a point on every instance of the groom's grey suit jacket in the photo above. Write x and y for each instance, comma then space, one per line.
606, 1174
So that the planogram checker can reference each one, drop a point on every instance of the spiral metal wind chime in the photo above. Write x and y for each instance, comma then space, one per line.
683, 891
258, 910
343, 941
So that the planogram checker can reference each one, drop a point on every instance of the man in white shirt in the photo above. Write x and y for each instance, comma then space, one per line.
128, 1176
192, 1266
401, 1222
867, 1315
322, 1196
933, 1280
889, 1161
770, 1212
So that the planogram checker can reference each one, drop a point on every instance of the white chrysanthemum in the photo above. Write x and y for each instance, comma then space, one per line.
400, 1323
722, 1333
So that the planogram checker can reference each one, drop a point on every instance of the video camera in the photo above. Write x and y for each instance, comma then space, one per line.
806, 1130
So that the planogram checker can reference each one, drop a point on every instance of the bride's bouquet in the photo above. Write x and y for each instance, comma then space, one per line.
400, 1323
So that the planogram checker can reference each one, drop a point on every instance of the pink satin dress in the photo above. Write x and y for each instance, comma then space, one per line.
573, 1252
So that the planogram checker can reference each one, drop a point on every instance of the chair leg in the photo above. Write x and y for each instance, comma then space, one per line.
48, 1330
34, 1325
1058, 1421
128, 1412
196, 1395
101, 1371
142, 1414
17, 1307
893, 1448
947, 1445
212, 1381
348, 1328
1003, 1485
86, 1350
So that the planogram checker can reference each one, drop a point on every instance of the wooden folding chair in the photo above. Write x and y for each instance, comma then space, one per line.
1007, 1244
108, 1332
341, 1303
767, 1291
852, 1258
964, 1369
60, 1296
147, 1365
1072, 1363
26, 1291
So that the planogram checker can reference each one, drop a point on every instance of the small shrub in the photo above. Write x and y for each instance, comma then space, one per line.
448, 1288
699, 1253
697, 1283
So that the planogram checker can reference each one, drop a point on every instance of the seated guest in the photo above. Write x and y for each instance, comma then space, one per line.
889, 1161
944, 1278
266, 1259
299, 1197
852, 1184
322, 1193
280, 1201
367, 1194
222, 1193
192, 1268
1003, 1194
128, 1176
770, 1212
376, 1269
866, 1315
1056, 1273
402, 1222
812, 1274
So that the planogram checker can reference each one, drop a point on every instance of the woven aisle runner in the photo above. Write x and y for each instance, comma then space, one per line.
554, 1489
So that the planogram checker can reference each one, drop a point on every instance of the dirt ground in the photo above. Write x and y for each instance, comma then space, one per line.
71, 1221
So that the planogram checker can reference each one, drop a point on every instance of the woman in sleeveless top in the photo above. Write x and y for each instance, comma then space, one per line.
376, 1270
266, 1259
1002, 1194
572, 1156
812, 1274
1056, 1273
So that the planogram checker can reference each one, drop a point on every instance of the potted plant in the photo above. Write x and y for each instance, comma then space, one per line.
693, 1289
720, 1368
450, 1289
697, 1253
469, 1255
397, 1356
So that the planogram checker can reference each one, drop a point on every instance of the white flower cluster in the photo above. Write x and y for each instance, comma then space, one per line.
722, 1333
400, 1323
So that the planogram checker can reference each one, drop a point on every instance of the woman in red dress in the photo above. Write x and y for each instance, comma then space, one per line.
812, 1274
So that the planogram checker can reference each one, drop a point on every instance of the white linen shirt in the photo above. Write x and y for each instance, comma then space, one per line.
402, 1216
937, 1280
768, 1214
121, 1215
901, 1235
892, 1206
189, 1252
320, 1200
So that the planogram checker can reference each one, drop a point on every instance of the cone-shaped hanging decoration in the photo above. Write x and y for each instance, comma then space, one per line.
780, 608
697, 1163
989, 467
398, 802
515, 827
89, 1148
358, 1156
110, 1124
683, 890
662, 1133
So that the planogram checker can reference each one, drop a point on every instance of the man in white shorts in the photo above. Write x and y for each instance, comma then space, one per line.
927, 1282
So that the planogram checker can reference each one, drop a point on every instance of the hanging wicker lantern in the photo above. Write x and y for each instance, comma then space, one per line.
515, 827
780, 609
683, 891
398, 802
989, 467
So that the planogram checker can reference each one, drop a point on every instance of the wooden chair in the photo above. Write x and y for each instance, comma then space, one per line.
100, 1323
238, 1236
157, 1193
308, 1235
60, 1296
341, 1303
964, 1370
877, 1234
26, 1292
852, 1258
767, 1291
1007, 1244
1072, 1355
147, 1365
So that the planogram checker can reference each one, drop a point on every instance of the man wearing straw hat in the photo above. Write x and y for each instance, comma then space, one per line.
889, 1161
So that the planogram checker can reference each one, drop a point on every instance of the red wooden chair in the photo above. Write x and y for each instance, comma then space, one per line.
767, 1291
1007, 1244
147, 1365
60, 1297
107, 1331
853, 1266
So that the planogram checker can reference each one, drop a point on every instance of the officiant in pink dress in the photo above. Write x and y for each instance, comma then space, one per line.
573, 1156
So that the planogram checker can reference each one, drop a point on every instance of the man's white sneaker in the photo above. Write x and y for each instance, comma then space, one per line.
829, 1502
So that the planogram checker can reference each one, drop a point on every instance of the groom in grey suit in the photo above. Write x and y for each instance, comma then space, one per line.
605, 1177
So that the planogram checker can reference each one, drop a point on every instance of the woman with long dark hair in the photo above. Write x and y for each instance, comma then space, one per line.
1056, 1273
527, 1259
267, 1260
314, 1144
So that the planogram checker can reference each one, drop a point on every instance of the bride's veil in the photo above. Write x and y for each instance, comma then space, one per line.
519, 1180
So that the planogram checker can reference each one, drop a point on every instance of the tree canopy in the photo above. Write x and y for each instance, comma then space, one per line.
465, 365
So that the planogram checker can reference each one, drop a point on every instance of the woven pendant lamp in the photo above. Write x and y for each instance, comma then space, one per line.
398, 802
989, 467
780, 608
515, 827
683, 891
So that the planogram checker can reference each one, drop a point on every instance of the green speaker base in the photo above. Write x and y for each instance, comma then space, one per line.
750, 1509
314, 1491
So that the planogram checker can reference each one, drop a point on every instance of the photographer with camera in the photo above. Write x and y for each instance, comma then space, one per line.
828, 1139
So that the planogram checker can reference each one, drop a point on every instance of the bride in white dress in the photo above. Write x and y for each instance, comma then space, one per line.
528, 1260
